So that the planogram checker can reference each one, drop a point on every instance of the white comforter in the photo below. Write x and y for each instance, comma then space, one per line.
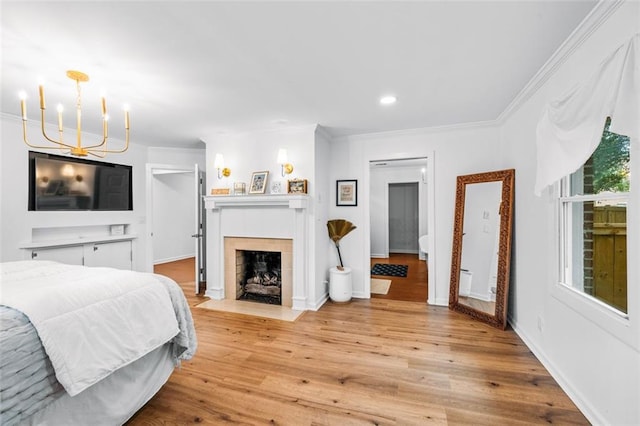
91, 321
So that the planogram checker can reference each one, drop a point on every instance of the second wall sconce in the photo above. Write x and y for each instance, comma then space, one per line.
218, 164
286, 167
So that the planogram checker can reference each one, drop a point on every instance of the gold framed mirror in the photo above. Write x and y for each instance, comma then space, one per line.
481, 255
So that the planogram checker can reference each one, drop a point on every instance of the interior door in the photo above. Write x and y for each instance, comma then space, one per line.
403, 217
200, 228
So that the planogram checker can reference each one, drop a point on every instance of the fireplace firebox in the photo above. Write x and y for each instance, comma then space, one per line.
259, 276
259, 270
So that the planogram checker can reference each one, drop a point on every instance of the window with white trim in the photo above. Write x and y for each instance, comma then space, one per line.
593, 221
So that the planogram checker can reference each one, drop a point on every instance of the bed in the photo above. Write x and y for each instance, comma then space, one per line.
80, 344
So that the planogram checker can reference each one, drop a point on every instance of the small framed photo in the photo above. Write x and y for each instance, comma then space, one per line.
347, 192
276, 187
258, 182
297, 186
239, 188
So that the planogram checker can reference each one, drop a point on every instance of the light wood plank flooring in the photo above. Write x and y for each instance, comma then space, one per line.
377, 361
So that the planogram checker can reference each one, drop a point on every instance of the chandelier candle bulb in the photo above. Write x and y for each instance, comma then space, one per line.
104, 106
126, 118
60, 108
23, 106
41, 91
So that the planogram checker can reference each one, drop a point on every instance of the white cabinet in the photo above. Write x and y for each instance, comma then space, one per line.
71, 255
114, 253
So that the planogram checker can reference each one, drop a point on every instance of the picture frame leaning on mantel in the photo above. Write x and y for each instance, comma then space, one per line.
297, 186
258, 182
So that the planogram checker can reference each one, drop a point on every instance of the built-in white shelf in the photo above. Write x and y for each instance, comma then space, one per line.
77, 241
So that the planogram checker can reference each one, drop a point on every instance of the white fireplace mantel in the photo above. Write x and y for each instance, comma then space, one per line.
295, 201
258, 216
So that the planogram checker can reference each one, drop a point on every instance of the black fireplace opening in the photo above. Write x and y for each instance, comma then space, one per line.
259, 275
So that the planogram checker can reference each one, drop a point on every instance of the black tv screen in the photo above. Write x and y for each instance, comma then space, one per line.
57, 182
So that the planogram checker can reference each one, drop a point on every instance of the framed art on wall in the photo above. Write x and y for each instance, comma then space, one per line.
347, 192
258, 182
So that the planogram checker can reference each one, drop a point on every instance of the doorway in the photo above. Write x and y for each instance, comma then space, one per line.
172, 205
398, 217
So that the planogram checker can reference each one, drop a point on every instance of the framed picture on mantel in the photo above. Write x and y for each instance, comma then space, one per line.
258, 182
347, 192
297, 186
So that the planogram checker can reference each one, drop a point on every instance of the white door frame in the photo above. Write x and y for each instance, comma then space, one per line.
152, 169
431, 231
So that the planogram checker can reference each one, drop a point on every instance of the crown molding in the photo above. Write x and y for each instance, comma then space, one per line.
323, 132
419, 130
10, 117
598, 15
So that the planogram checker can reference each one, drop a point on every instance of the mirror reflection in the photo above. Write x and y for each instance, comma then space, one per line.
481, 246
481, 232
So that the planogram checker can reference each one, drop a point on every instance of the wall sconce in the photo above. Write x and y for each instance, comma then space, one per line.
285, 167
218, 163
68, 171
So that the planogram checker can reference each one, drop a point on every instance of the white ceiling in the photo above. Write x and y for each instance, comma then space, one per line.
197, 70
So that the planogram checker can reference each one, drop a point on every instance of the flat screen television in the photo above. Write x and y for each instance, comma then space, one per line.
57, 182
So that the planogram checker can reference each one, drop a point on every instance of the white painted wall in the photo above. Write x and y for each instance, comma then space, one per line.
455, 151
178, 157
322, 202
16, 223
593, 353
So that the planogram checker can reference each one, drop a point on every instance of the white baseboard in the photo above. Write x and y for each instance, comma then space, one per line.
318, 304
480, 296
401, 251
589, 411
442, 301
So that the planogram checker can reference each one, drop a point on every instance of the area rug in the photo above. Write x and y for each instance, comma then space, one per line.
389, 270
251, 308
380, 286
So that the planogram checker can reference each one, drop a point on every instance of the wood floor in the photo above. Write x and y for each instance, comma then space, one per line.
377, 361
413, 287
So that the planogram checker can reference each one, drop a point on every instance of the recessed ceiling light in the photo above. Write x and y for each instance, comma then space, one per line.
388, 100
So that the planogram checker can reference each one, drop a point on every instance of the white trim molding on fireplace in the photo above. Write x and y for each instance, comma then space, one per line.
258, 216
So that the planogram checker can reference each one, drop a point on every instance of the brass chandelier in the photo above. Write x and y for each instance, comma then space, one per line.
97, 150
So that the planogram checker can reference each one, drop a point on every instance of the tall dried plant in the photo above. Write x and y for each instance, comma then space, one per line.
338, 228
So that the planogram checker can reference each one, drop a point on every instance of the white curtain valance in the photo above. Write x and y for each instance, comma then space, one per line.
570, 128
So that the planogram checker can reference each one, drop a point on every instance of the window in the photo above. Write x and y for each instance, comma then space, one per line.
593, 220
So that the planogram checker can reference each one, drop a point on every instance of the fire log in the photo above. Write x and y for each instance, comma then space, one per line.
263, 290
